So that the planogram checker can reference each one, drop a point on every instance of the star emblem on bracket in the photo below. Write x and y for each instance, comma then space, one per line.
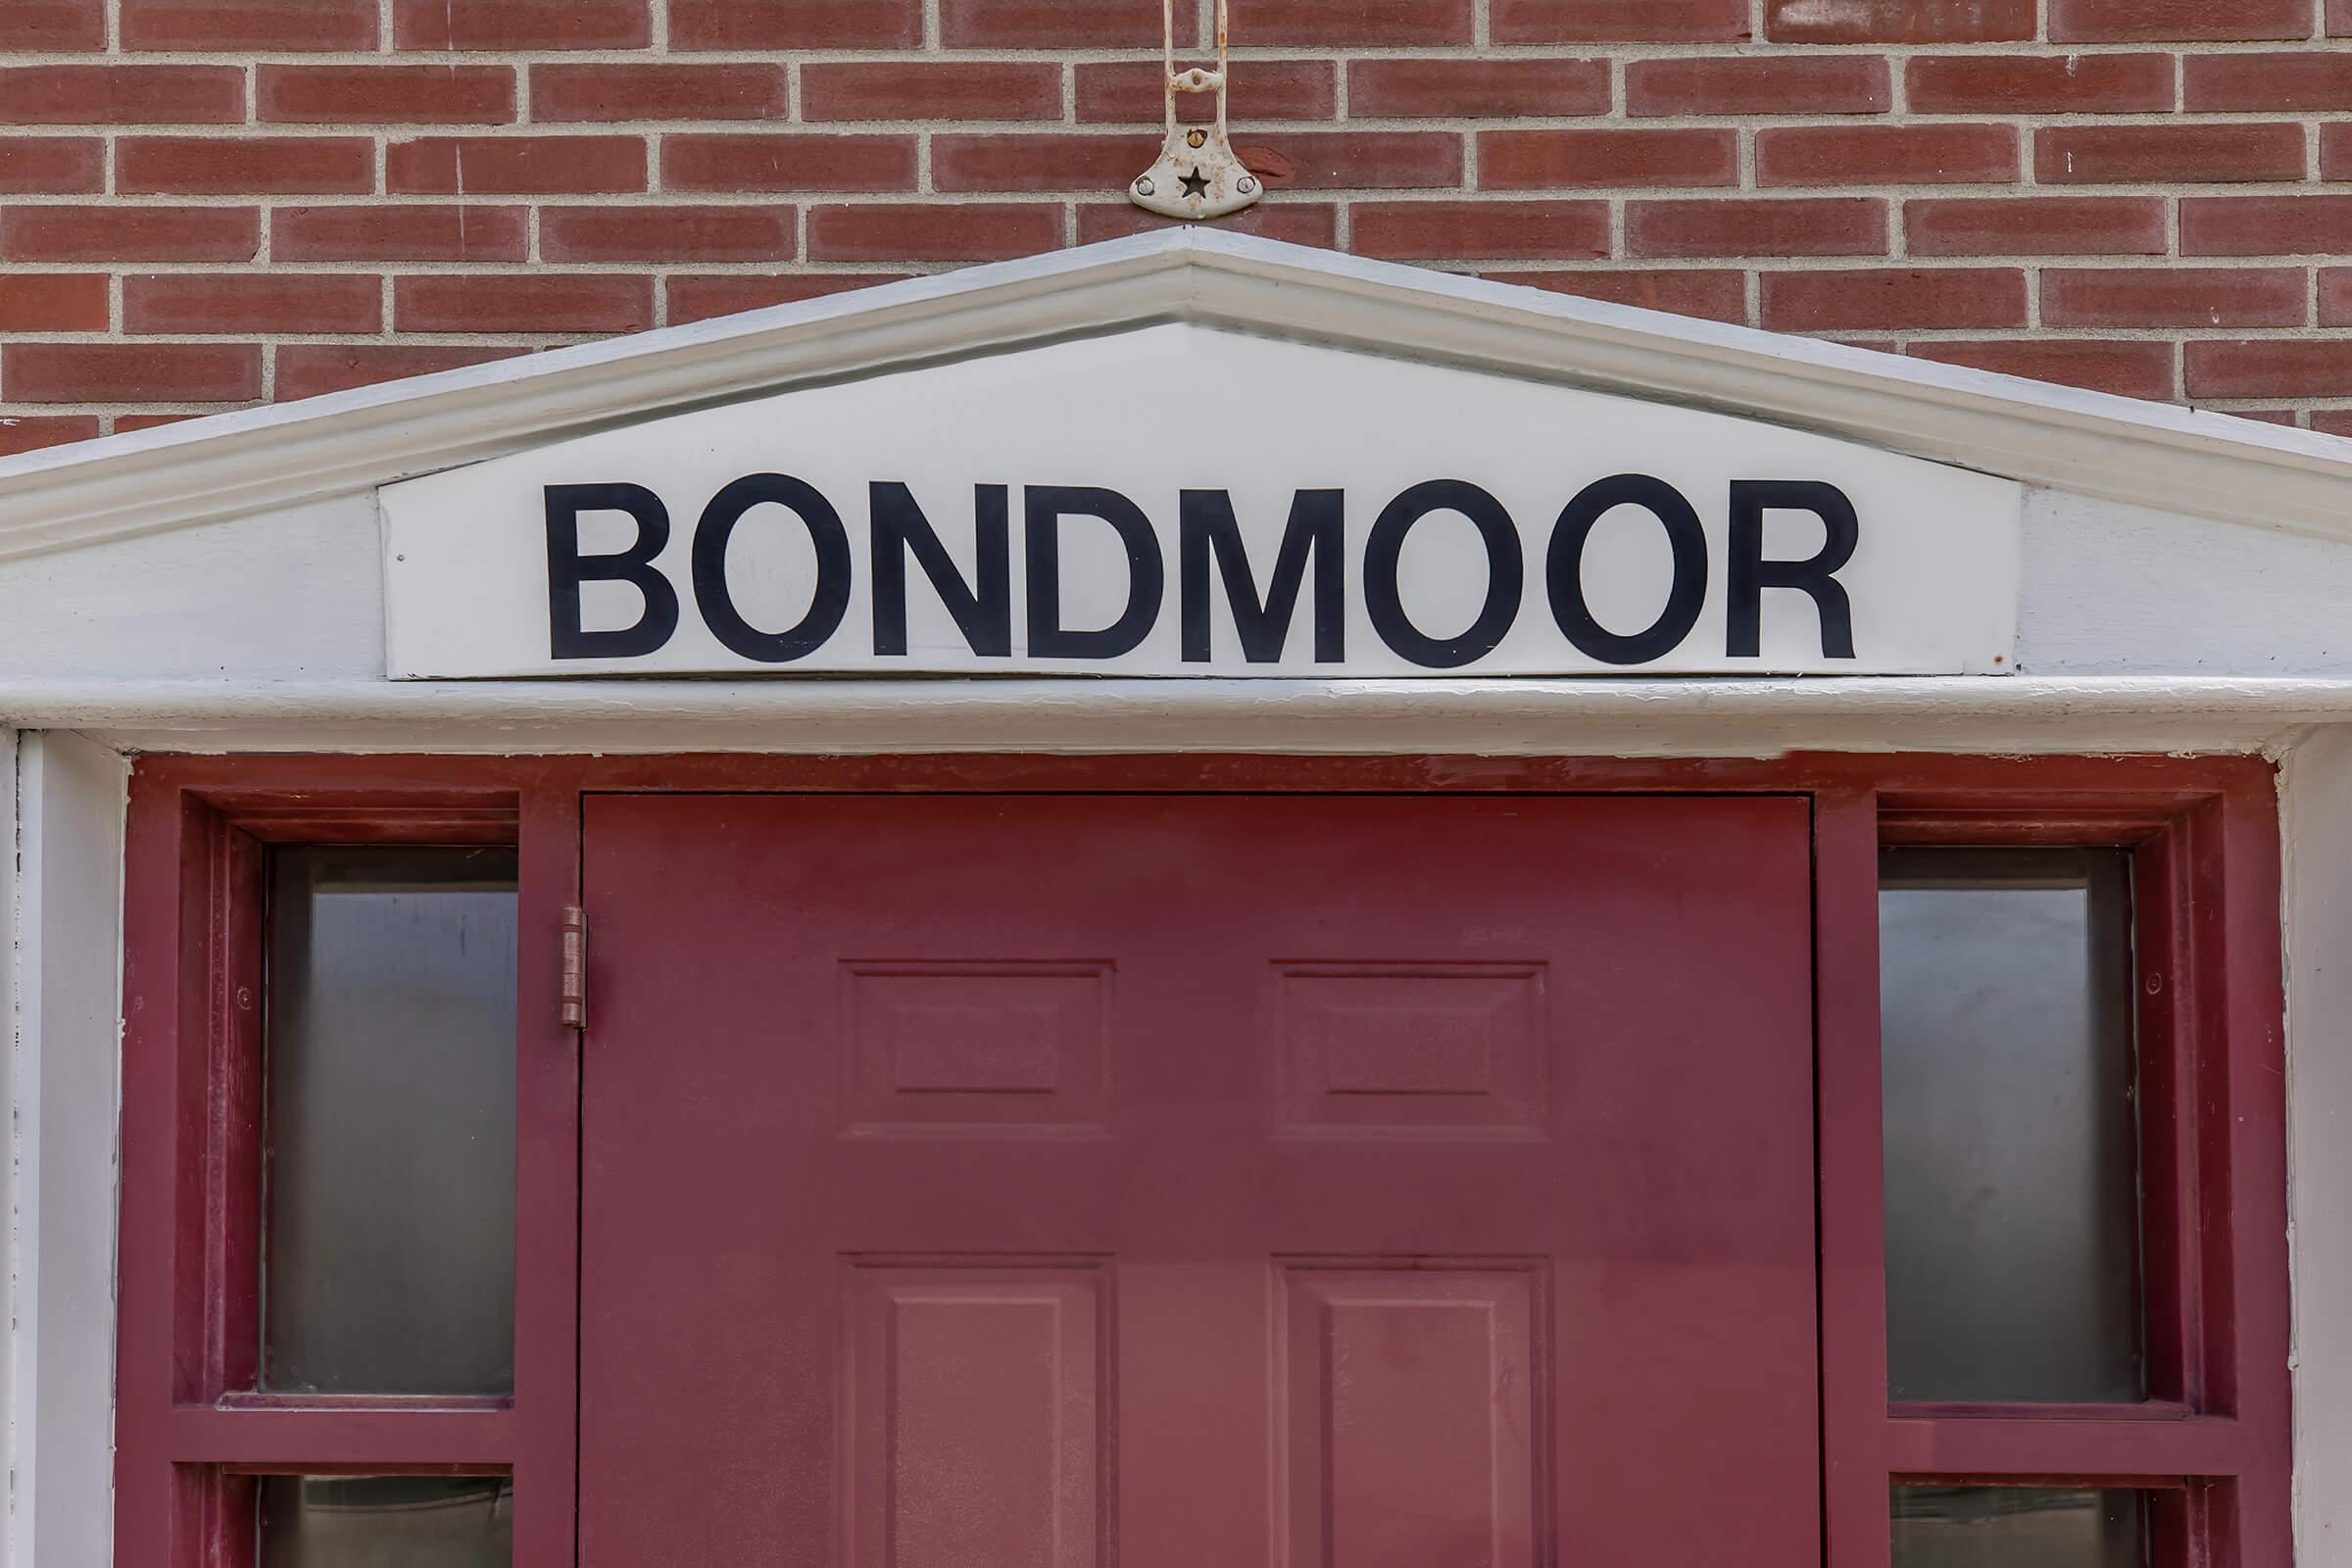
1196, 183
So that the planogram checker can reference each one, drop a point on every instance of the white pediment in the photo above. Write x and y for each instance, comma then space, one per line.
244, 463
1180, 500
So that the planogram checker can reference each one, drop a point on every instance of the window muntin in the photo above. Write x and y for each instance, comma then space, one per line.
389, 1230
2012, 1152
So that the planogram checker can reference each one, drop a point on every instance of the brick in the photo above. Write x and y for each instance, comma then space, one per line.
516, 165
751, 92
2335, 297
85, 232
750, 233
1407, 89
1759, 84
125, 423
51, 165
253, 302
1380, 24
2176, 21
1505, 230
1047, 162
53, 25
309, 370
2336, 151
240, 27
521, 23
1824, 226
1537, 160
2167, 155
53, 302
1355, 160
326, 166
130, 372
953, 90
1914, 22
2266, 226
1126, 92
1716, 295
398, 95
1299, 222
519, 302
766, 160
458, 232
1890, 298
128, 95
1057, 25
1879, 155
1619, 22
21, 433
2268, 84
2173, 296
919, 232
796, 23
2039, 84
2339, 18
2269, 367
701, 297
2132, 369
2035, 226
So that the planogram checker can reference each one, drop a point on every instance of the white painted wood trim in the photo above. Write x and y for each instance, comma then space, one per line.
1586, 717
2318, 824
2142, 452
63, 1086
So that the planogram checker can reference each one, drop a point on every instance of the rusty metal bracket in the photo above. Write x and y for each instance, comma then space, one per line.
1198, 174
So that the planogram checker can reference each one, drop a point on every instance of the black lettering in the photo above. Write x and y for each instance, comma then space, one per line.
1506, 574
567, 568
1206, 525
1043, 506
1564, 569
982, 612
827, 606
1750, 573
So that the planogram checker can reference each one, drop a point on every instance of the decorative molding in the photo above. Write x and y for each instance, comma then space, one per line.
259, 460
1476, 718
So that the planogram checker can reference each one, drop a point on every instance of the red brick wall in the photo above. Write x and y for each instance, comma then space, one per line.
206, 203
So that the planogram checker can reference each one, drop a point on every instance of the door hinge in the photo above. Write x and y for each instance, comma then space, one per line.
575, 967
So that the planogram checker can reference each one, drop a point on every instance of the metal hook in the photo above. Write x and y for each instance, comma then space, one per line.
1196, 175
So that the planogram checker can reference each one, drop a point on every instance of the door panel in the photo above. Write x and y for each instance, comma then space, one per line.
1356, 1181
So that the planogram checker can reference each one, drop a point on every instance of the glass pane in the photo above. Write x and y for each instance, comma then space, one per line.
391, 1122
2019, 1527
387, 1522
2012, 1147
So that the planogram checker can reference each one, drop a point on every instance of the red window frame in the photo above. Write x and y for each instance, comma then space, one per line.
2212, 1442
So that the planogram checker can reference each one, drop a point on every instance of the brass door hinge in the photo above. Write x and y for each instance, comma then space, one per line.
575, 967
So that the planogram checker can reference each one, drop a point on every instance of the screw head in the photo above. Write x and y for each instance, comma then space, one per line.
1199, 138
1144, 186
1245, 186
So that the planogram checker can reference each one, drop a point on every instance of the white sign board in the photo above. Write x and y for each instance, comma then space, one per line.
1179, 500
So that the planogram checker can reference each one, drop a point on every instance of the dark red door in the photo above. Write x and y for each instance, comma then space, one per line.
1199, 1182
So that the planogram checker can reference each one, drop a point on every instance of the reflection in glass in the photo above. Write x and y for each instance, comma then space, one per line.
391, 1122
2019, 1527
387, 1522
2012, 1148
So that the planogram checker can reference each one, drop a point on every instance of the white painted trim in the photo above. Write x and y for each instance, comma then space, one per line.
64, 1100
1519, 716
2316, 789
2092, 443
